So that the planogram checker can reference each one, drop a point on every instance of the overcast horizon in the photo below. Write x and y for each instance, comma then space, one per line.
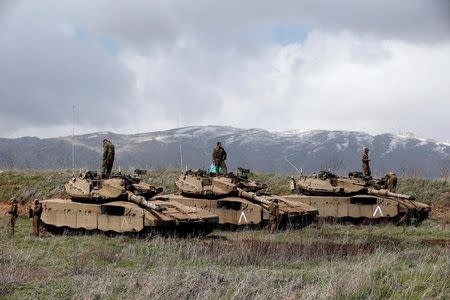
144, 66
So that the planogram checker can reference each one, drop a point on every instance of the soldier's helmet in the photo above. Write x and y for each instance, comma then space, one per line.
36, 201
366, 149
275, 201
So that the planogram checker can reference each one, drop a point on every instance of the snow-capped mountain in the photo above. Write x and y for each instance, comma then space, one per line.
257, 149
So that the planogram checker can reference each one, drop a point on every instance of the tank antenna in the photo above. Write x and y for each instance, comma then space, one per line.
73, 139
287, 160
180, 146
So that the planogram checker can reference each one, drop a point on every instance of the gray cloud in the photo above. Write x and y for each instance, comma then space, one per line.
143, 65
45, 69
146, 21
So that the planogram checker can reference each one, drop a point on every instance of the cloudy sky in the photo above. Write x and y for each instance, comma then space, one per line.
139, 65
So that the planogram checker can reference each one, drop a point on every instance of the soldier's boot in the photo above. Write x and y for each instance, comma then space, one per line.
109, 168
35, 226
12, 227
273, 227
217, 165
366, 170
224, 168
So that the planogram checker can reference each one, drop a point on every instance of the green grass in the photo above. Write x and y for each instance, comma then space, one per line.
319, 262
426, 190
26, 185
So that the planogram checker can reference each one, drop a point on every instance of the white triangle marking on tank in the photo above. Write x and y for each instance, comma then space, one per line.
242, 216
124, 222
376, 210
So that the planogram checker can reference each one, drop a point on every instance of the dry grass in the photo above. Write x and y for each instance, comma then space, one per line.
321, 262
318, 262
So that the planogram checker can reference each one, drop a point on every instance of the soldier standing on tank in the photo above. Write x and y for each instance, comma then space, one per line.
391, 181
13, 212
108, 158
365, 163
36, 214
218, 157
274, 214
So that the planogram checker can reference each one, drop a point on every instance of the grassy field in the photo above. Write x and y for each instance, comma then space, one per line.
321, 261
27, 185
326, 261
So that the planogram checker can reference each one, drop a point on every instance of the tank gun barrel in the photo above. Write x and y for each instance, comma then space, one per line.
253, 197
389, 194
142, 202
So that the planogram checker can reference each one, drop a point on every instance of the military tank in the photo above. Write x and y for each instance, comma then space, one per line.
122, 204
237, 200
357, 198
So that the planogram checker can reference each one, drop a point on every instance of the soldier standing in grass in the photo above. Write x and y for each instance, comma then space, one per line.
37, 212
108, 158
365, 163
218, 157
274, 214
391, 181
13, 212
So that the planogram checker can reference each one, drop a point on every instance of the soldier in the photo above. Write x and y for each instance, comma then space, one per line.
218, 157
365, 163
391, 181
274, 214
13, 212
37, 212
108, 158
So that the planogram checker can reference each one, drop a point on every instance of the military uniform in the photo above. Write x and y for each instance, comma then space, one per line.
108, 158
219, 156
274, 214
365, 163
13, 212
37, 212
391, 181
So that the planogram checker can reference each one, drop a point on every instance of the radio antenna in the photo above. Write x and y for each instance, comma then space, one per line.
287, 160
179, 141
73, 139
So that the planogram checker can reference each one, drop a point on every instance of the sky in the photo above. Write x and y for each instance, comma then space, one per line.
132, 66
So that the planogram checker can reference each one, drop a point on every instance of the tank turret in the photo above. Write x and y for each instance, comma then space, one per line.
357, 198
237, 200
122, 204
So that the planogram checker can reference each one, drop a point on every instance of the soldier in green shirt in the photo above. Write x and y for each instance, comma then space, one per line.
218, 157
14, 214
365, 163
108, 158
274, 215
37, 212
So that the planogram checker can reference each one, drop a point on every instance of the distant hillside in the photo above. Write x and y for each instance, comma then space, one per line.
257, 149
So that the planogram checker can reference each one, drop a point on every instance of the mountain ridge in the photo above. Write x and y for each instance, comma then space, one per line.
255, 148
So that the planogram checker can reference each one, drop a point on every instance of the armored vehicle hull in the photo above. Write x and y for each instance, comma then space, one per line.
366, 208
240, 212
355, 199
236, 201
125, 217
122, 204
